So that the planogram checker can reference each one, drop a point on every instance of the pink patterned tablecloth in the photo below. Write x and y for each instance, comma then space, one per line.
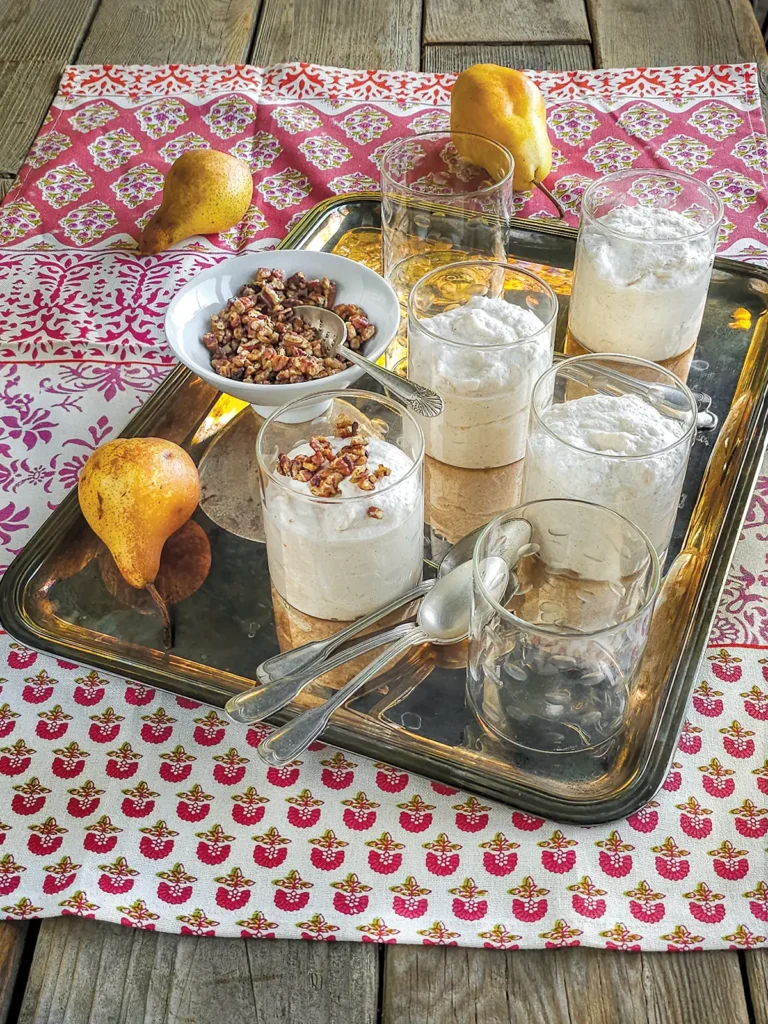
127, 804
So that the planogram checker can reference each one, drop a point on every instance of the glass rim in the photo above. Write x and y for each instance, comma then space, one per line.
437, 134
321, 396
686, 436
516, 513
656, 173
507, 268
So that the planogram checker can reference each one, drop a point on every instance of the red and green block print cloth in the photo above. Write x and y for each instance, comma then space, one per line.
127, 804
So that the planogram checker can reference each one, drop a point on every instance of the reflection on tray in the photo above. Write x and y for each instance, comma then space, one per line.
457, 501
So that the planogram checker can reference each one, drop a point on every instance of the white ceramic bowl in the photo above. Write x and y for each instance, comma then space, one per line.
189, 316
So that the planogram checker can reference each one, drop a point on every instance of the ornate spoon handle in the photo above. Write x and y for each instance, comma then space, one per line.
420, 399
257, 704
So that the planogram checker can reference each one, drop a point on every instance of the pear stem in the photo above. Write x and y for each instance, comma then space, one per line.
555, 202
167, 627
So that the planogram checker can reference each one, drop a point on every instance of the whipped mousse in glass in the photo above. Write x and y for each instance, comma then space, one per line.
343, 503
644, 257
617, 450
480, 334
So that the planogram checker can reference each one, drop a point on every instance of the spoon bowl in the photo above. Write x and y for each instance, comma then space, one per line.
443, 614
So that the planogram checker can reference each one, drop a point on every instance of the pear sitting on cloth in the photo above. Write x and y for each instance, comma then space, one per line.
205, 192
134, 493
506, 106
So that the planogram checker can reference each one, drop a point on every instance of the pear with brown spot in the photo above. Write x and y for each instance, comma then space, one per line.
134, 493
205, 192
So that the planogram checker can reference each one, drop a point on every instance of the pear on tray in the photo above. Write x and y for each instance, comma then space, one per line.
134, 493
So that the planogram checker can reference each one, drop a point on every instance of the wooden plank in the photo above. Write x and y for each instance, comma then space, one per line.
101, 973
756, 963
538, 56
42, 30
499, 21
26, 92
345, 33
39, 37
438, 985
12, 937
170, 32
661, 32
685, 987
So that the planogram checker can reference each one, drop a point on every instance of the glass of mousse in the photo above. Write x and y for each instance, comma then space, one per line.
343, 503
480, 334
644, 257
617, 449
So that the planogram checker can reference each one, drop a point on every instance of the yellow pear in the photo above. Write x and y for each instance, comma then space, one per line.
506, 106
205, 192
134, 493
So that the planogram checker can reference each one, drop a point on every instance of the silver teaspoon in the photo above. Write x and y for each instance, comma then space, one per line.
443, 618
333, 334
667, 400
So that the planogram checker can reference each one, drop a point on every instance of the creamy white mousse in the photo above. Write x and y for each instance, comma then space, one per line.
483, 359
640, 283
345, 556
643, 483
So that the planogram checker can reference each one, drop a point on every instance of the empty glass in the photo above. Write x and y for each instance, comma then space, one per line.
553, 662
433, 199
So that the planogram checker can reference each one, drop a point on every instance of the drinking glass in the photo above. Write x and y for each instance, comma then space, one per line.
343, 556
553, 662
643, 262
403, 277
486, 387
433, 199
577, 453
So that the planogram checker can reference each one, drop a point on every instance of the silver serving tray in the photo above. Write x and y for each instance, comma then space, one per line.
54, 597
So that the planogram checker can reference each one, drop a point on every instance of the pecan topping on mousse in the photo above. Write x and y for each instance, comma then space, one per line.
324, 469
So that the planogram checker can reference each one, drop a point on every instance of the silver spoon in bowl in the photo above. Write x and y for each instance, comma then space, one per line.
443, 618
333, 334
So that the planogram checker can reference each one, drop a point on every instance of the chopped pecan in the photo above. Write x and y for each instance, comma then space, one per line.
328, 487
374, 512
320, 444
324, 469
345, 426
259, 323
343, 464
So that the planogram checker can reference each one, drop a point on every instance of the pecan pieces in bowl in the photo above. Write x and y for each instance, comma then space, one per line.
257, 339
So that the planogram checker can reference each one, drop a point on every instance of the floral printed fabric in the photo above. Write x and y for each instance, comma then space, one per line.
128, 804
